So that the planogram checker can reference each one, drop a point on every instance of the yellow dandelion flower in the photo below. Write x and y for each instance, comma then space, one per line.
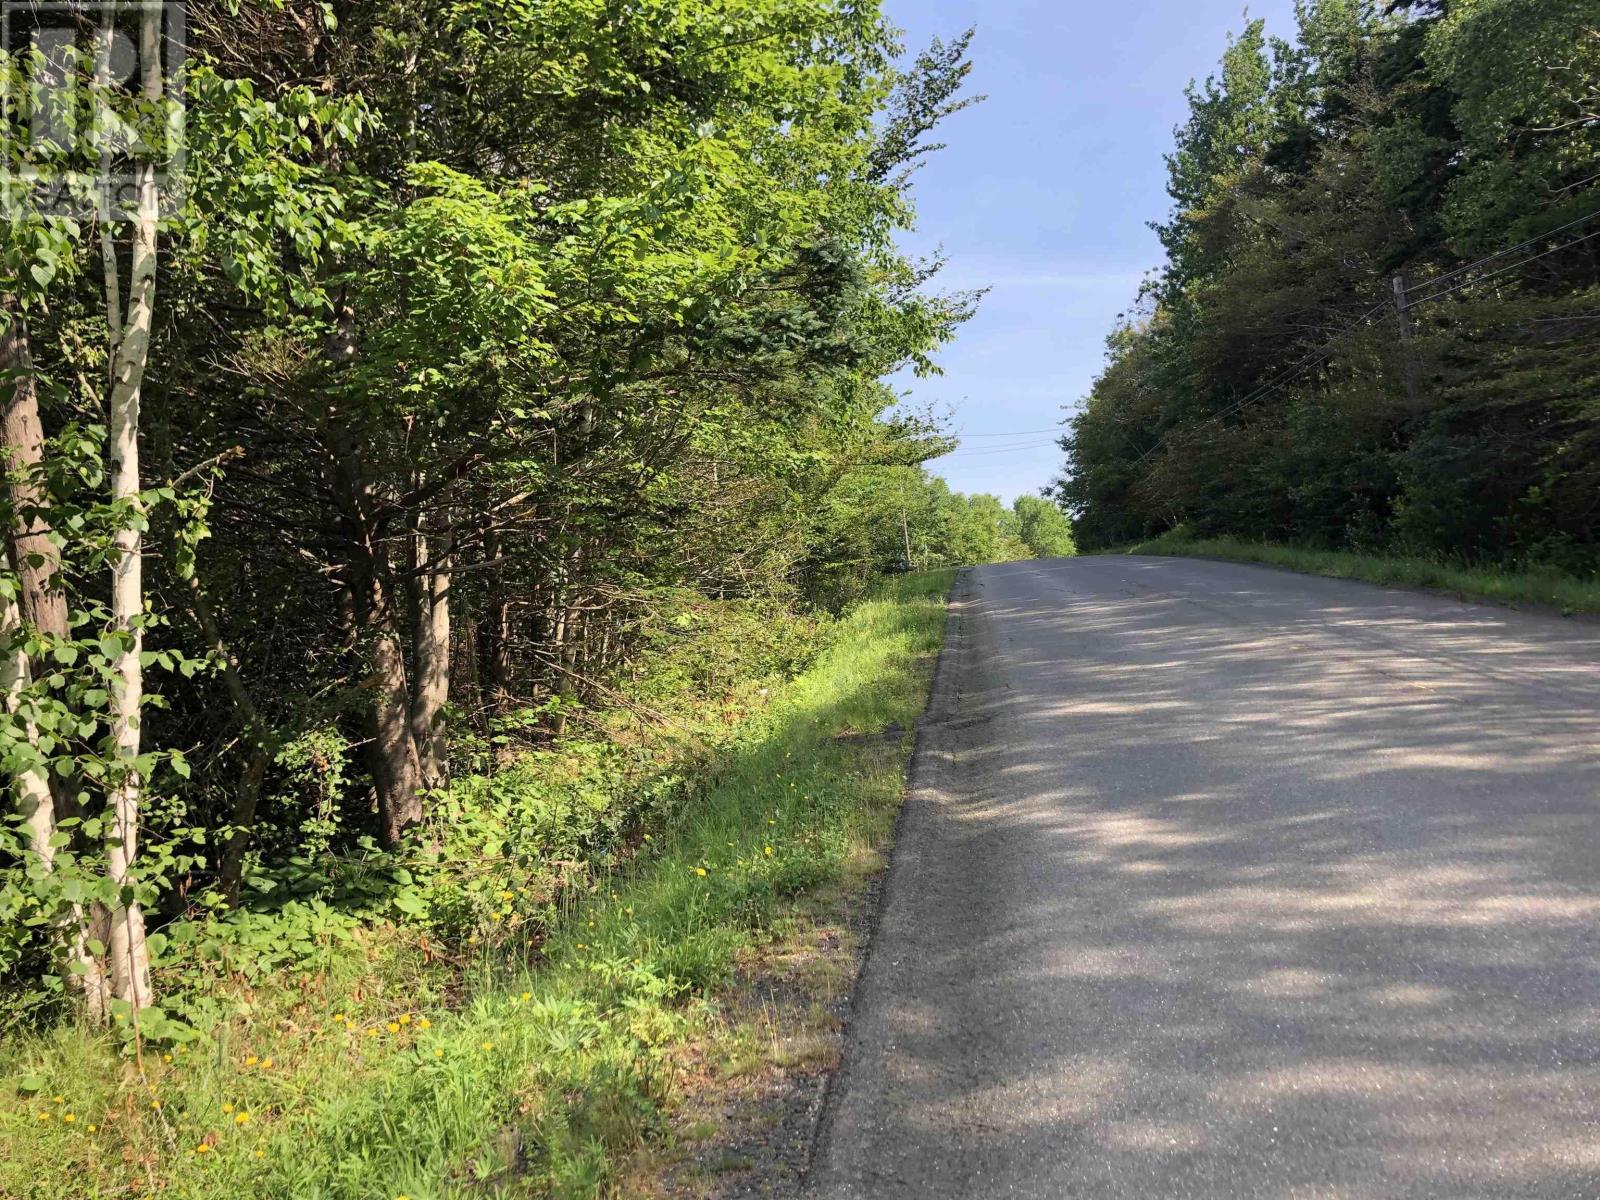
202, 1148
261, 1153
393, 1026
438, 1053
266, 1064
68, 1118
767, 851
242, 1119
488, 1045
337, 1017
56, 1100
507, 895
496, 917
699, 870
183, 1049
251, 1060
44, 1116
166, 1058
156, 1104
405, 1018
227, 1108
90, 1128
424, 1023
527, 995
372, 1031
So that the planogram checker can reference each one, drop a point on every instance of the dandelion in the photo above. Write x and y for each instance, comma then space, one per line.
183, 1049
261, 1153
393, 1026
155, 1105
488, 1045
91, 1128
437, 1052
56, 1100
44, 1116
527, 995
767, 851
372, 1031
699, 870
251, 1060
166, 1058
424, 1023
227, 1108
202, 1148
266, 1064
494, 916
338, 1017
242, 1119
508, 895
405, 1018
68, 1118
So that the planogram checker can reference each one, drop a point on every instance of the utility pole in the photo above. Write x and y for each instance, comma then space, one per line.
1407, 350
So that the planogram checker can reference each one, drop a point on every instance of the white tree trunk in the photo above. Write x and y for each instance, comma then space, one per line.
38, 807
130, 960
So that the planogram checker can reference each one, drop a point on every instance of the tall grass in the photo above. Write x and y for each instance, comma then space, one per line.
1564, 592
398, 1070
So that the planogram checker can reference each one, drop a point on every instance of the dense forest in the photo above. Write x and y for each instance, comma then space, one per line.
436, 381
1378, 325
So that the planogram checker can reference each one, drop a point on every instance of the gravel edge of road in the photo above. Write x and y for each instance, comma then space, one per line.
929, 764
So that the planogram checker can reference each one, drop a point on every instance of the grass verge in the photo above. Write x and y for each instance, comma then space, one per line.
392, 1074
1563, 592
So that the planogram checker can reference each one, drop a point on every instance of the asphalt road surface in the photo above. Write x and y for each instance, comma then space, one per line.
1220, 881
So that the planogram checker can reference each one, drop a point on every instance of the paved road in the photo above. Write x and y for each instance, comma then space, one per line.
1218, 881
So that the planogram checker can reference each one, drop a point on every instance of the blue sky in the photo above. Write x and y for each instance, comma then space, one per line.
1042, 195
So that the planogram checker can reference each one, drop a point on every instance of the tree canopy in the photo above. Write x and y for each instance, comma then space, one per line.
386, 412
1270, 385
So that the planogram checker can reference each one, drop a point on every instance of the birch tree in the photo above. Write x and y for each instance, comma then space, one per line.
129, 328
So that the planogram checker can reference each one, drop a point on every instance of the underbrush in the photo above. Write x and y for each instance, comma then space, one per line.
495, 1015
1552, 588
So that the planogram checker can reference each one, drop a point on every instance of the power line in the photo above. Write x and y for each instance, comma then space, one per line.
1522, 262
1004, 450
1508, 250
1013, 433
1293, 372
1322, 355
